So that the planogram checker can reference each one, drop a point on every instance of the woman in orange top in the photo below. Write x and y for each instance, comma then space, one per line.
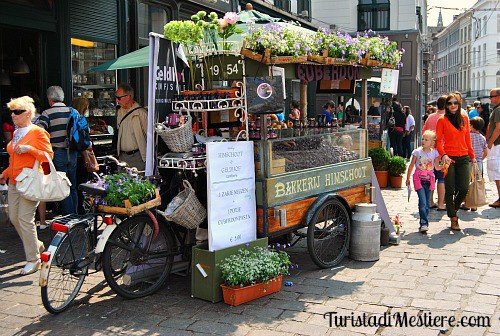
28, 144
455, 147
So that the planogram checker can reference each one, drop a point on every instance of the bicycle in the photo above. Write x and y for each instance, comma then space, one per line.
135, 255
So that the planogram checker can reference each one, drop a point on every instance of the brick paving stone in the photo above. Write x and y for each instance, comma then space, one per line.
481, 308
345, 304
395, 301
303, 329
264, 332
409, 331
462, 283
209, 327
434, 304
295, 316
488, 289
447, 296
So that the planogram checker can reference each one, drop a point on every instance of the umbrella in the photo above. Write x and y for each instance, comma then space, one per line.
408, 188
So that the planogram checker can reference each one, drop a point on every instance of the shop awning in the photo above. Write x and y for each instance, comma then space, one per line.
135, 59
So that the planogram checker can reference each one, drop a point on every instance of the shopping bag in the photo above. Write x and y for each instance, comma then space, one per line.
90, 160
265, 95
35, 186
4, 207
476, 197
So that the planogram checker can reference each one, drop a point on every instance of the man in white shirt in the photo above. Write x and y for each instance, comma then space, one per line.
409, 132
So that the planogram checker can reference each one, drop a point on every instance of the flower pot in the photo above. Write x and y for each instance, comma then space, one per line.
396, 181
235, 296
382, 177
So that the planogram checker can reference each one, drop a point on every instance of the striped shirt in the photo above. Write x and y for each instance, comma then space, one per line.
54, 121
478, 144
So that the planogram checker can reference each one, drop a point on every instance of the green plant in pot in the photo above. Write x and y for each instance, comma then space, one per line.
380, 158
380, 161
397, 167
252, 273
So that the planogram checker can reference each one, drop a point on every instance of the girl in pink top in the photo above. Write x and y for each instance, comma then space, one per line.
424, 158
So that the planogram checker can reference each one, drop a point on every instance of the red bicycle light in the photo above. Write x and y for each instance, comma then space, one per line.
45, 256
108, 220
59, 227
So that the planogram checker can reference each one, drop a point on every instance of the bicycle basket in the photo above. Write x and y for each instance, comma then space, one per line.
185, 209
178, 139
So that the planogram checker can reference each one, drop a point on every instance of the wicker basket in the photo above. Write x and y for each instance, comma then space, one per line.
190, 213
179, 139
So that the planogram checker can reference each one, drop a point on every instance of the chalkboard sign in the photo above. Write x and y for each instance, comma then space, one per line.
265, 95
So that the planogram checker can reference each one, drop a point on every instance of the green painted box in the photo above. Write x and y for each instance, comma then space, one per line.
207, 286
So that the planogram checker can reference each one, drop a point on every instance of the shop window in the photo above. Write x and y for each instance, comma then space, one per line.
98, 87
373, 14
150, 19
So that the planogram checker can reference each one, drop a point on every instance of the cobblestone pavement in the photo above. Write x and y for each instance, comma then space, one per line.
443, 273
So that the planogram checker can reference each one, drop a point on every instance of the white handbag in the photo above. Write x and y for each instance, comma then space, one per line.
36, 186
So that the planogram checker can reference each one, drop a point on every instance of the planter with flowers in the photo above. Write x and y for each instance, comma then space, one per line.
251, 274
128, 194
275, 44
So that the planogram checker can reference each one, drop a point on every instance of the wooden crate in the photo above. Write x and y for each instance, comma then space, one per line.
130, 210
269, 59
374, 144
277, 167
296, 211
324, 59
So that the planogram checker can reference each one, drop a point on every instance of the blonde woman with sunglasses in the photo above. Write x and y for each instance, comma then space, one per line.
455, 147
28, 144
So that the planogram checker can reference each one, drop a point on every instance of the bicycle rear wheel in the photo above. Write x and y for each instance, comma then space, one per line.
135, 263
67, 270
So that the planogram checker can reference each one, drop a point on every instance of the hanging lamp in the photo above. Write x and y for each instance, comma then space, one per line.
21, 67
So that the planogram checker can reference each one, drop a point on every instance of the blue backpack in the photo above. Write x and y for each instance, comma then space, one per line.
78, 131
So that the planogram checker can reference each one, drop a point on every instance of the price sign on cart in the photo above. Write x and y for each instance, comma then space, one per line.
232, 218
389, 81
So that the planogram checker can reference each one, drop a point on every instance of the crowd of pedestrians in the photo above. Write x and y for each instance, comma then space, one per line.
32, 134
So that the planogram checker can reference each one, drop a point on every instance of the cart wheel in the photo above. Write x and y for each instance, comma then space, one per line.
328, 233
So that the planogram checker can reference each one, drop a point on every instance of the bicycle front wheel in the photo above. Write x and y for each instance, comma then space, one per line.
67, 270
135, 261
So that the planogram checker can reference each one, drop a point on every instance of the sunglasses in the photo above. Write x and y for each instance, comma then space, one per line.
493, 96
17, 112
452, 103
120, 97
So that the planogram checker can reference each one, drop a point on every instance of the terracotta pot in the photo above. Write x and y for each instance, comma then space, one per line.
235, 296
382, 177
396, 181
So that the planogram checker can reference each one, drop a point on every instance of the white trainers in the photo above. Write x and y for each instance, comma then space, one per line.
42, 227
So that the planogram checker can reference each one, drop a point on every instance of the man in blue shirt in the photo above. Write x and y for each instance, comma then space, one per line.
473, 113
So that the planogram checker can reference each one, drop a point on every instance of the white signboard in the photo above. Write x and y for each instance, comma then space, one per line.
232, 217
389, 81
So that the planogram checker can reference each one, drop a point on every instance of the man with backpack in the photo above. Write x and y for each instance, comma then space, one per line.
55, 121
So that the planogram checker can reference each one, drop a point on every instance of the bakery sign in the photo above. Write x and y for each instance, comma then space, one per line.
314, 182
311, 72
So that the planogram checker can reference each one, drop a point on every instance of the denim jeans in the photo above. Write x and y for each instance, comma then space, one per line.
424, 200
65, 161
407, 145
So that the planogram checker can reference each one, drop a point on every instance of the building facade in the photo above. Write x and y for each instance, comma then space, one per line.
475, 68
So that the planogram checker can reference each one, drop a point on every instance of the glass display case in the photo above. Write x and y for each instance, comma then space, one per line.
374, 127
298, 149
97, 87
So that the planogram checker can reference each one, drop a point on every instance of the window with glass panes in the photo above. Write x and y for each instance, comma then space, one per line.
373, 14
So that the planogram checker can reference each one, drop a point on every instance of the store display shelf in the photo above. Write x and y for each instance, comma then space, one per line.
204, 105
192, 163
94, 86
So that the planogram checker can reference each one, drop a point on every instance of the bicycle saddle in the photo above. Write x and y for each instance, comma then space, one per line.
93, 189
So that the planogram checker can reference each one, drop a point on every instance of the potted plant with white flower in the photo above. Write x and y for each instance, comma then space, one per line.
252, 273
